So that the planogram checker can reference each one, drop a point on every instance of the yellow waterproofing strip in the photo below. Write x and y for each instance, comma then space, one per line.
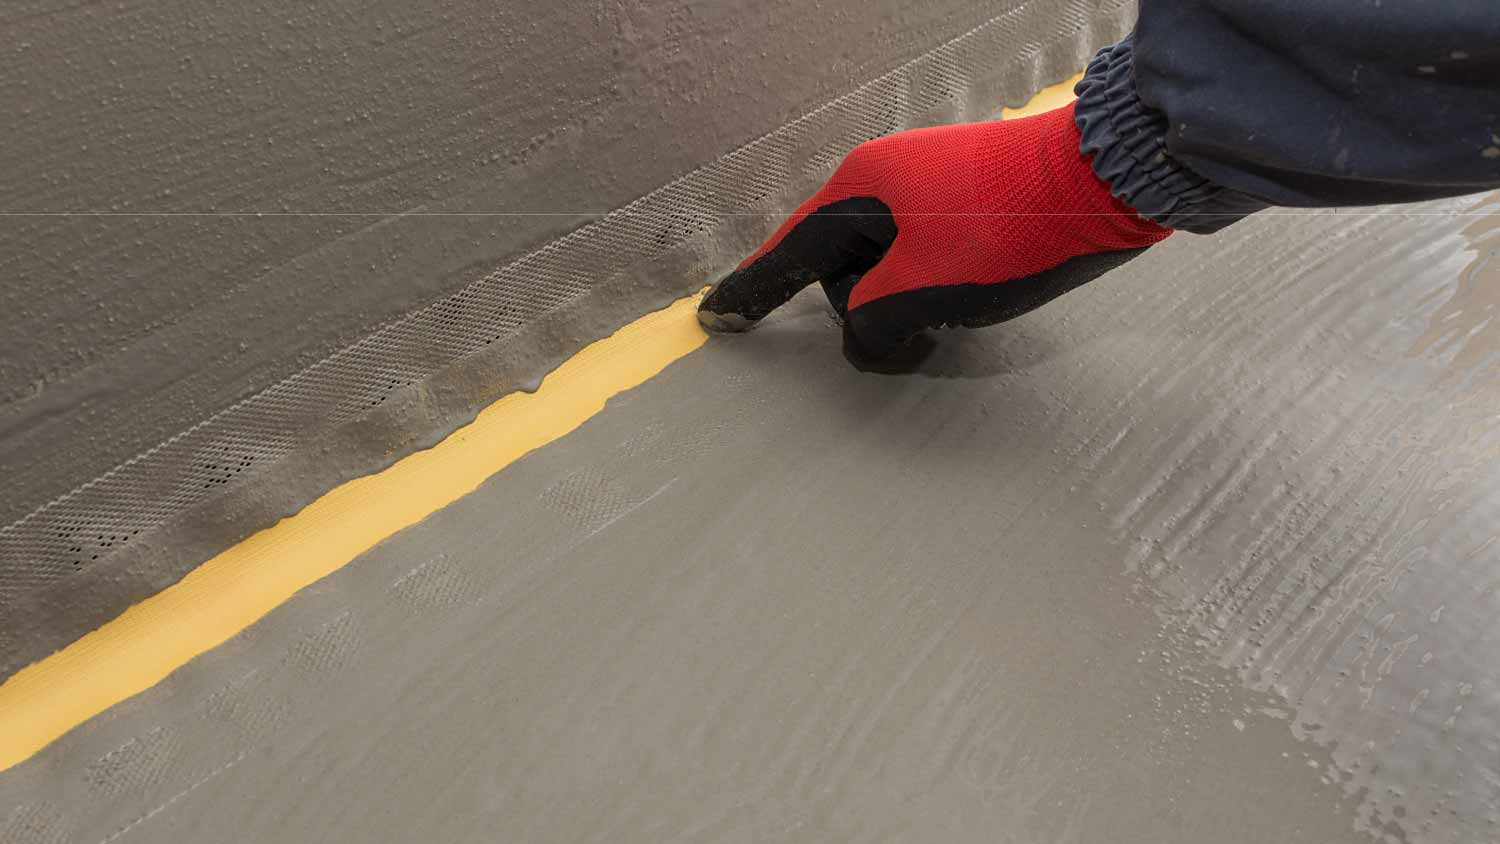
233, 590
1053, 96
230, 592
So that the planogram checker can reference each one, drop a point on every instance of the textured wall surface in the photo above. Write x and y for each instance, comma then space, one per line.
238, 187
202, 207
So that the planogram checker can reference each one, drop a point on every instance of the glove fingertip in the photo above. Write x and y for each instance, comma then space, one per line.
718, 323
720, 310
885, 353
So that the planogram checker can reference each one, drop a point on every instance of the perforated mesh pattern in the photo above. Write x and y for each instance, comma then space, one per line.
141, 763
588, 498
438, 584
326, 651
72, 532
35, 824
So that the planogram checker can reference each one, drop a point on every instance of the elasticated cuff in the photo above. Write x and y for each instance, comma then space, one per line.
1127, 140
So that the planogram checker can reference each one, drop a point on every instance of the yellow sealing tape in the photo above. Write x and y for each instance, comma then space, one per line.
230, 592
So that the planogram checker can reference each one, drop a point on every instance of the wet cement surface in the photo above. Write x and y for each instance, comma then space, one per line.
1202, 552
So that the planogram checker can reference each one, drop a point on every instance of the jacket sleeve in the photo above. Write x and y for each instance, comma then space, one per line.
1214, 109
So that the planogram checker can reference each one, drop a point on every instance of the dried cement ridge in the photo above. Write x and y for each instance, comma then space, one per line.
69, 563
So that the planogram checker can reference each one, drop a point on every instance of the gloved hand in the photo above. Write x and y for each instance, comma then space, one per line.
964, 225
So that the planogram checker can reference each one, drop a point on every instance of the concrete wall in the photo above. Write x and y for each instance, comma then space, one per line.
235, 181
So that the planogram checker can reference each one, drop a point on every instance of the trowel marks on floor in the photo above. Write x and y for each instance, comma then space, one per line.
1087, 576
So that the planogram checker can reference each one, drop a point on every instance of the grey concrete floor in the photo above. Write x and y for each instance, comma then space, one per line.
1203, 552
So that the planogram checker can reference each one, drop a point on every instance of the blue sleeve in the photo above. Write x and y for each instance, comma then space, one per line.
1213, 109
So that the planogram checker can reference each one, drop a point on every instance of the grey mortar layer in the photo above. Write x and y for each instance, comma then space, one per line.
161, 267
1204, 551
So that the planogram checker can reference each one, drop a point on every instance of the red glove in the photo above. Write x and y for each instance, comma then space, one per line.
964, 225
